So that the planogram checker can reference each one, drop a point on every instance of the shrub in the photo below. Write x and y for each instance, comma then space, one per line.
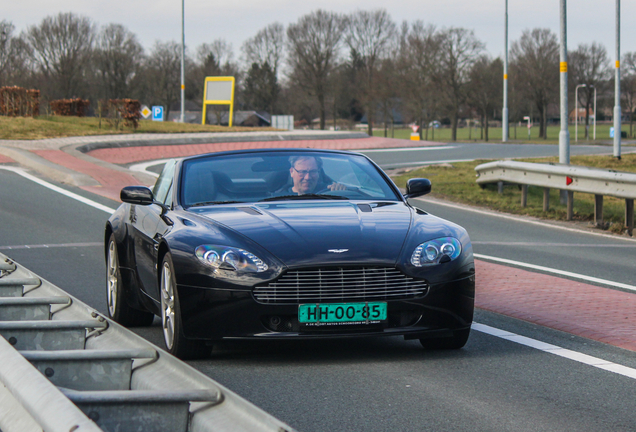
17, 101
70, 107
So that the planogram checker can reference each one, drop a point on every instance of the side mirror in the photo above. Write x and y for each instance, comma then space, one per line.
417, 187
140, 195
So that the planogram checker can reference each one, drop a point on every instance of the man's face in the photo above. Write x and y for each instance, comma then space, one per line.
305, 175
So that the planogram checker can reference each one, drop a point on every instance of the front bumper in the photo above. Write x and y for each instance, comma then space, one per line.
215, 314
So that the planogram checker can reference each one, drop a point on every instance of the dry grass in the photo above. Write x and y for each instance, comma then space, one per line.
27, 128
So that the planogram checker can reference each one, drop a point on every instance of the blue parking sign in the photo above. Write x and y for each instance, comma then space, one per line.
157, 113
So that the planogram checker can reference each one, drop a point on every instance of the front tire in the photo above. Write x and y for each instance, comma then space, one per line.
118, 310
175, 340
457, 341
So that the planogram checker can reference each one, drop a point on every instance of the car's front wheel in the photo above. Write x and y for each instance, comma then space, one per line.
173, 336
118, 309
457, 341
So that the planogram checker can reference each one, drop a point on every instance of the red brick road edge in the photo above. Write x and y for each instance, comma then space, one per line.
601, 314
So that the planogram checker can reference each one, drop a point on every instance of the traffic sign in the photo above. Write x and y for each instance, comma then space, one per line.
145, 111
157, 113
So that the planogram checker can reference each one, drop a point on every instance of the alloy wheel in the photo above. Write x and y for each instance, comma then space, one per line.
167, 305
112, 282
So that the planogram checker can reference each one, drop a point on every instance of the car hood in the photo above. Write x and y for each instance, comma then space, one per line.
321, 233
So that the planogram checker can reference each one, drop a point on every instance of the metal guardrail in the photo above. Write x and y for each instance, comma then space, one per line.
64, 367
596, 181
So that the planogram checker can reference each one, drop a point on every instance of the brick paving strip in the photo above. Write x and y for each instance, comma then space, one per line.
601, 314
125, 155
6, 159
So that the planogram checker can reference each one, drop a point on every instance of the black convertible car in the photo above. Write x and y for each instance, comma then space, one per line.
282, 243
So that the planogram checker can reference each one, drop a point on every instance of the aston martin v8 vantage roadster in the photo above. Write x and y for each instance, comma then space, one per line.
286, 243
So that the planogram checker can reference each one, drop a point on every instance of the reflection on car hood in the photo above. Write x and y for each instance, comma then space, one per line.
319, 233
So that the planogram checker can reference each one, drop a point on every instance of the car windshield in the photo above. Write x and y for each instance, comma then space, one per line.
281, 175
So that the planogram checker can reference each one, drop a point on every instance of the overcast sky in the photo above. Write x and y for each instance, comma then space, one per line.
236, 21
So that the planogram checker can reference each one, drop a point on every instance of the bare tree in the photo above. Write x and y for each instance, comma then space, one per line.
118, 57
535, 70
266, 47
61, 48
589, 65
458, 51
628, 88
485, 88
163, 74
418, 46
313, 44
371, 34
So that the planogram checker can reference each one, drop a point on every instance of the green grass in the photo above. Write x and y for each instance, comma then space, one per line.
443, 134
24, 128
457, 183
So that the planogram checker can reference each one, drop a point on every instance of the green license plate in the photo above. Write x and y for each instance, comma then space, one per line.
342, 313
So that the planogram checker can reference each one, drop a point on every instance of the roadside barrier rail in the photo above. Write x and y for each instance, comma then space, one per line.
596, 181
66, 368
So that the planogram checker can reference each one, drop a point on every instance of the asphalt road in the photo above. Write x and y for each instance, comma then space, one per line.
375, 384
398, 158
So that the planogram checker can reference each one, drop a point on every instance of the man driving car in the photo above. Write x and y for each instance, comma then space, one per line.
305, 172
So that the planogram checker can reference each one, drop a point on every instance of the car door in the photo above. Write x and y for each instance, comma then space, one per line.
148, 229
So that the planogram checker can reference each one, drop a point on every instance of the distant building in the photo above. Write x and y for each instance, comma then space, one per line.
194, 111
580, 113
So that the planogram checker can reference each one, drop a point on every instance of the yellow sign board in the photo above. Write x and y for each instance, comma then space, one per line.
218, 91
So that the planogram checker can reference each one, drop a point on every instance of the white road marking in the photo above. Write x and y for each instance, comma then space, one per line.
69, 194
427, 162
47, 246
519, 219
557, 350
543, 244
143, 166
407, 149
558, 272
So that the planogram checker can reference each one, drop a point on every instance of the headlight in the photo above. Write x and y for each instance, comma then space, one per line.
229, 258
436, 251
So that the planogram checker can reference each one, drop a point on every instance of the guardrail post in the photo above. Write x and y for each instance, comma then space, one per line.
546, 199
500, 187
524, 195
570, 198
598, 210
629, 216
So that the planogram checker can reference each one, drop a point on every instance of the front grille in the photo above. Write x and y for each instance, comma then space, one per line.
340, 284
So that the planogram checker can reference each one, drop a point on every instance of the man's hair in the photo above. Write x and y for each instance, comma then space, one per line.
294, 159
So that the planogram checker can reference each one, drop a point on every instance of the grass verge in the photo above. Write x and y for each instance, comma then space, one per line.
27, 128
457, 183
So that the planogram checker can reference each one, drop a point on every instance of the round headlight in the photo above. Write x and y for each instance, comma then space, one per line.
431, 252
448, 249
212, 257
231, 258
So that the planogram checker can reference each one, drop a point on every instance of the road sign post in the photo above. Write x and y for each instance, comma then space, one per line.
218, 91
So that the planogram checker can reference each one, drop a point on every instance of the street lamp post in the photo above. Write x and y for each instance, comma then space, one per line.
504, 114
182, 61
617, 85
564, 134
594, 112
576, 111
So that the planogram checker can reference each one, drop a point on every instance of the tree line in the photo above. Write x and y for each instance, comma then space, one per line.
326, 65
